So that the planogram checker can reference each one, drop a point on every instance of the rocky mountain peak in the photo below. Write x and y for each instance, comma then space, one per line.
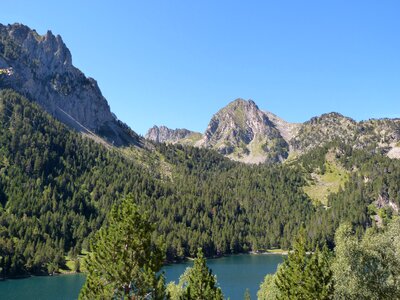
242, 114
43, 72
243, 132
164, 134
49, 50
240, 102
322, 129
332, 117
287, 130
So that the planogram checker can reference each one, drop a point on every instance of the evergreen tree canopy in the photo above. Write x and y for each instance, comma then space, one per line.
124, 260
290, 278
202, 285
196, 283
268, 289
57, 188
305, 276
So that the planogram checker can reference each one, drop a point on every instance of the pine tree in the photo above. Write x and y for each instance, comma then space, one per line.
268, 289
124, 261
290, 278
202, 285
1, 266
318, 273
305, 276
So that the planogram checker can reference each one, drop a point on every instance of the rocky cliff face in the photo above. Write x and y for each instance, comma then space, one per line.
164, 134
287, 130
43, 71
243, 132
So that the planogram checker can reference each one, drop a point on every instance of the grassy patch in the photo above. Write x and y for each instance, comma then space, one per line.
322, 185
69, 266
191, 139
293, 156
277, 251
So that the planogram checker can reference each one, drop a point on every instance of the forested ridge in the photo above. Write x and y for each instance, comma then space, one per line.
56, 188
372, 176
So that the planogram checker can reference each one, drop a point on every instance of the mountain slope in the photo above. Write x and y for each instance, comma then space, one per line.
243, 132
56, 187
380, 135
43, 72
323, 129
287, 130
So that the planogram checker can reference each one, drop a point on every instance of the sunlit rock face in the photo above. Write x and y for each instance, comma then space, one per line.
43, 71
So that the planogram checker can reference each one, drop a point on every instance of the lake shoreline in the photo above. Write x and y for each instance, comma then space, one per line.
235, 274
279, 252
21, 277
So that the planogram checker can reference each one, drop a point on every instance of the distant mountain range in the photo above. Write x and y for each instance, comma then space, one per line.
243, 132
42, 70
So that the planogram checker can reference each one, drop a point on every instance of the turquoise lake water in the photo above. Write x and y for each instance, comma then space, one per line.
234, 273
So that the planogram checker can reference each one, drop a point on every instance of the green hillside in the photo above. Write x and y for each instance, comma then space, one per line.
322, 185
56, 188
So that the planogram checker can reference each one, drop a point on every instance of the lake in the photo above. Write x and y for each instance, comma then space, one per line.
234, 273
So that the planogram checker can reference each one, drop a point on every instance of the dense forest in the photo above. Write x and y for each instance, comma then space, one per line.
56, 188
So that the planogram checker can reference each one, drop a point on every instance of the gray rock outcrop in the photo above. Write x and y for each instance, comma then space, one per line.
43, 72
164, 134
243, 132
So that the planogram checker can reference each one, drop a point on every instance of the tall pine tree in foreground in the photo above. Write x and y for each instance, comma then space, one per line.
124, 260
319, 283
196, 283
304, 276
202, 284
290, 278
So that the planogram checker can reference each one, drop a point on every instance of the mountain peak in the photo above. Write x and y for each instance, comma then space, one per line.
43, 71
322, 129
240, 102
331, 116
163, 134
243, 132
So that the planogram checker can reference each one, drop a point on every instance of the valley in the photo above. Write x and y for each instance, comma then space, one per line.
251, 182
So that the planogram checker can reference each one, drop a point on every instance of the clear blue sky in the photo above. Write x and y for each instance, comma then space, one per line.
177, 62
